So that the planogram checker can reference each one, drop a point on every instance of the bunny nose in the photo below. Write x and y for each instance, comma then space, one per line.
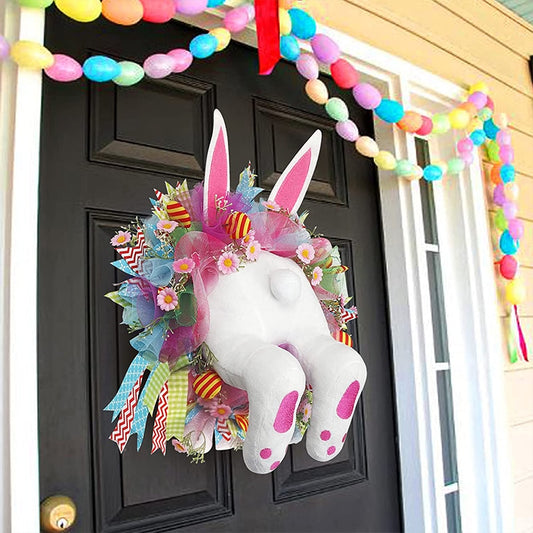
285, 285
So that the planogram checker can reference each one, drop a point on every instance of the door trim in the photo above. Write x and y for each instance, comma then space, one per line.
19, 160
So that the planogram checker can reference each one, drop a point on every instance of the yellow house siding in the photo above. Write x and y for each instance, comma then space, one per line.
466, 41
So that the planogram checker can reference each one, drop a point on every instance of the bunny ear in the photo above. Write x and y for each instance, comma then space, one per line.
292, 185
216, 182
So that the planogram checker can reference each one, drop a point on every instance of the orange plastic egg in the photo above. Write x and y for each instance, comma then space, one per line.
411, 122
317, 91
495, 174
124, 12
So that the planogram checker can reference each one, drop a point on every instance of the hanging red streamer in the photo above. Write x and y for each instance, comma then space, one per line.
521, 338
267, 22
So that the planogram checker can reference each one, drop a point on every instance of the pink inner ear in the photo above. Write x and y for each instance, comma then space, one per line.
294, 182
218, 176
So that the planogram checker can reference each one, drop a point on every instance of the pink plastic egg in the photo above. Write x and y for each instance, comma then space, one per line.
490, 103
344, 74
508, 266
366, 95
4, 47
307, 66
158, 11
510, 210
427, 126
479, 99
516, 228
503, 137
512, 191
182, 58
236, 19
159, 65
467, 157
506, 154
347, 130
325, 49
465, 145
190, 7
65, 68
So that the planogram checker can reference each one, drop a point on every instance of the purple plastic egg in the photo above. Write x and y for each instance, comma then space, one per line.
307, 66
506, 154
498, 196
347, 130
325, 49
159, 65
366, 95
479, 99
510, 210
516, 228
190, 7
65, 69
503, 137
465, 145
183, 59
4, 47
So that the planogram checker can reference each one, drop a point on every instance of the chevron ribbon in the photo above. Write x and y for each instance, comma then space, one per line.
121, 433
223, 429
158, 378
349, 314
178, 386
132, 254
136, 369
141, 414
160, 424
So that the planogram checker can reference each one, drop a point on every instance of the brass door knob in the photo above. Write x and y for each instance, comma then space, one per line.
58, 513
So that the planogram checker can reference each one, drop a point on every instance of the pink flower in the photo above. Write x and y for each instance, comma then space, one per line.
178, 446
228, 263
273, 206
220, 411
316, 276
248, 237
167, 225
206, 403
122, 237
167, 299
306, 412
252, 250
305, 253
183, 265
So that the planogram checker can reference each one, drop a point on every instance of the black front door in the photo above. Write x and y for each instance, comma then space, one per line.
104, 149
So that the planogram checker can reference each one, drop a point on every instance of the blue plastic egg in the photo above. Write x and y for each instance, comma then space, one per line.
478, 137
101, 69
215, 3
507, 173
203, 46
490, 129
303, 24
289, 47
508, 245
432, 173
389, 110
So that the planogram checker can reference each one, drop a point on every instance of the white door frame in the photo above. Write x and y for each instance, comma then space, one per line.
20, 101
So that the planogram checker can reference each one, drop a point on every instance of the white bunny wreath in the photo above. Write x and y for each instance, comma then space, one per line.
242, 318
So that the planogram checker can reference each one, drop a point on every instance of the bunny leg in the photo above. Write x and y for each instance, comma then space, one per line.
274, 381
337, 374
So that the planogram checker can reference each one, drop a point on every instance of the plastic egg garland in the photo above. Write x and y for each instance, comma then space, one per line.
337, 109
64, 69
307, 66
467, 157
442, 165
480, 86
303, 24
499, 220
347, 130
28, 54
432, 173
182, 59
503, 137
4, 47
236, 19
223, 37
478, 98
404, 167
285, 24
515, 292
498, 195
289, 47
426, 127
101, 69
158, 11
465, 145
493, 151
203, 46
469, 107
501, 120
325, 49
159, 66
441, 123
411, 122
490, 129
512, 191
510, 210
190, 7
123, 12
455, 165
385, 160
130, 74
317, 91
416, 174
215, 3
478, 137
40, 4
516, 228
495, 175
344, 74
507, 173
389, 110
484, 114
508, 245
506, 154
459, 118
508, 266
367, 146
366, 95
80, 10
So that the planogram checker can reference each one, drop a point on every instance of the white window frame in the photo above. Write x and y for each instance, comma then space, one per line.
484, 469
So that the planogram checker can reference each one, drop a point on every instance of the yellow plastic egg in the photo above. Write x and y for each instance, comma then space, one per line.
385, 160
417, 173
317, 91
285, 23
515, 291
223, 37
367, 146
207, 385
80, 10
474, 124
28, 54
459, 118
480, 86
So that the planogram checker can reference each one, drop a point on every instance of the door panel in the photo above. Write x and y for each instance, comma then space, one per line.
104, 148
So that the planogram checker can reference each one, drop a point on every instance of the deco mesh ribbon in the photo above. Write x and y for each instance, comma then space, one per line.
174, 260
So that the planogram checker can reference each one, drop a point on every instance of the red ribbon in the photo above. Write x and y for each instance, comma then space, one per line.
522, 340
267, 23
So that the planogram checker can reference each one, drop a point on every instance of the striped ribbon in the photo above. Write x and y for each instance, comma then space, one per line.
160, 424
141, 414
158, 378
178, 385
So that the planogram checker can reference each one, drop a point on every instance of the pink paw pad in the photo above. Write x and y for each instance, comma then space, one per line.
285, 415
265, 453
347, 402
325, 435
274, 465
331, 450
